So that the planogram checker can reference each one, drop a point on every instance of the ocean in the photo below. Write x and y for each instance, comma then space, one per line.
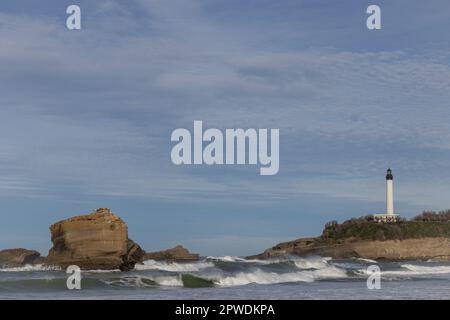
236, 278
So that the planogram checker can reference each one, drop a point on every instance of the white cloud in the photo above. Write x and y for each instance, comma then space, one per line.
98, 107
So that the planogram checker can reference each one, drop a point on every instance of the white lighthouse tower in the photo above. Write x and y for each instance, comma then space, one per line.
389, 193
389, 216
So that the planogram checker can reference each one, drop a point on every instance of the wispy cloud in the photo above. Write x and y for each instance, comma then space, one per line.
95, 108
90, 113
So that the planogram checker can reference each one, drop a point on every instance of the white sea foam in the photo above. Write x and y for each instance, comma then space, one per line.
229, 259
311, 263
42, 267
31, 267
314, 262
415, 269
140, 281
242, 260
366, 260
169, 281
409, 270
173, 266
131, 281
309, 270
102, 271
259, 276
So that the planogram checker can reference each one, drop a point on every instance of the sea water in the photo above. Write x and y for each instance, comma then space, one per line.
236, 278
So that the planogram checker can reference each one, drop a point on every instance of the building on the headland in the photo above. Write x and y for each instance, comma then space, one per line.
389, 216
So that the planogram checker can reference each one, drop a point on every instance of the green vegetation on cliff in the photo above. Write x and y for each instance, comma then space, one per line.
428, 224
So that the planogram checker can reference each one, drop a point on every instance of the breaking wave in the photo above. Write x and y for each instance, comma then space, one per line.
180, 280
238, 259
312, 263
227, 271
422, 270
366, 260
236, 271
230, 271
410, 270
262, 277
173, 266
30, 267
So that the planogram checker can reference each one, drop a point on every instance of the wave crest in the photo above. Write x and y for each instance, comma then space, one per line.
173, 266
31, 267
259, 276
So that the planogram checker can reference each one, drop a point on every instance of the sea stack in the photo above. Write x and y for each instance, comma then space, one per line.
94, 241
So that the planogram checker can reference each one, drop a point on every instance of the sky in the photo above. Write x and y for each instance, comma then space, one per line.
86, 116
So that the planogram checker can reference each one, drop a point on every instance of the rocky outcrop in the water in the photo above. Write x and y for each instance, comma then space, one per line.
95, 241
134, 255
407, 249
364, 238
19, 257
178, 253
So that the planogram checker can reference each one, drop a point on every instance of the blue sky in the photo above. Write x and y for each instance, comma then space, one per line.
86, 116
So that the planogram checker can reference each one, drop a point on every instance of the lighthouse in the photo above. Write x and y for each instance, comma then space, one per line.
389, 216
389, 192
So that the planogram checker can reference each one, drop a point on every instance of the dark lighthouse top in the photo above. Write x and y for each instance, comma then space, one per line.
389, 175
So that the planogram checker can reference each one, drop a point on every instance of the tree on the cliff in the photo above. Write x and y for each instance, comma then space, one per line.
441, 216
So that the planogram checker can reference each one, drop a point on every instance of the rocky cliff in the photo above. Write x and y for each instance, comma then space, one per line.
408, 249
416, 239
178, 253
95, 241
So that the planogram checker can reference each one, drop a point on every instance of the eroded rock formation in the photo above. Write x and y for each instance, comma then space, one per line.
19, 257
95, 241
178, 253
437, 248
